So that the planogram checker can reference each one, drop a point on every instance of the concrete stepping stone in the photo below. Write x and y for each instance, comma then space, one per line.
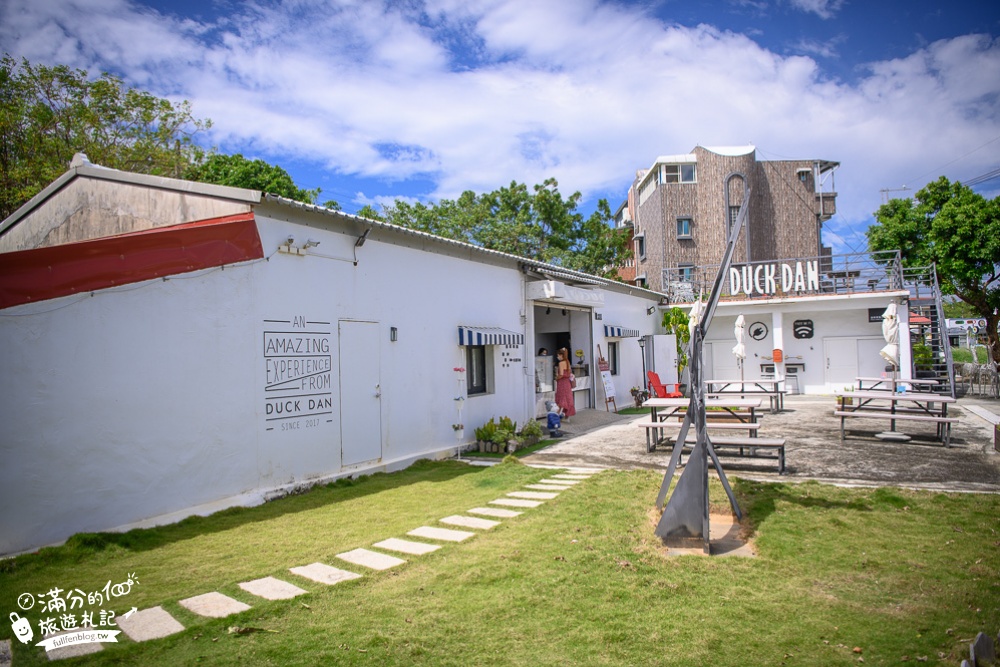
372, 559
270, 588
407, 546
547, 487
560, 482
577, 478
444, 534
147, 624
63, 652
532, 495
512, 502
470, 522
495, 511
323, 573
213, 605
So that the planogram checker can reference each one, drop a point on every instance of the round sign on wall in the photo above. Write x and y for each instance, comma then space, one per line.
757, 331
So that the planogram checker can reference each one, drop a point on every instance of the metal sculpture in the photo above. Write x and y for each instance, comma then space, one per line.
686, 514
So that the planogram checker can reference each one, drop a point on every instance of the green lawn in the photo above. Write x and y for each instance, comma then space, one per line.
580, 580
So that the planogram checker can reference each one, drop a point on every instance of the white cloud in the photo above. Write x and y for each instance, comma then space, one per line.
475, 94
824, 9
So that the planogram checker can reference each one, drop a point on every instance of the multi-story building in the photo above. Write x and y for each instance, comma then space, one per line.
682, 207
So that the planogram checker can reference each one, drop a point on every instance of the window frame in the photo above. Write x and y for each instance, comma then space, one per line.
690, 223
613, 353
476, 388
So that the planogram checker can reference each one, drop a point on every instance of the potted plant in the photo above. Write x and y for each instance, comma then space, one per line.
459, 430
675, 321
639, 395
531, 433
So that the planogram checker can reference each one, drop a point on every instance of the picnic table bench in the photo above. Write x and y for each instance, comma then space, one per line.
921, 407
743, 388
745, 447
658, 431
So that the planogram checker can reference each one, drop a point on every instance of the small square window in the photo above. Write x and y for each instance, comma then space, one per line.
683, 228
685, 272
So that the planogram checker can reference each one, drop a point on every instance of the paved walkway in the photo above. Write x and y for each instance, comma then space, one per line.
813, 448
155, 622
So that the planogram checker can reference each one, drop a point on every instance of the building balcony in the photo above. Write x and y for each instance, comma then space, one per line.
828, 275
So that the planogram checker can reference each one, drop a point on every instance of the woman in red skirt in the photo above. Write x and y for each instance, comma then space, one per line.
564, 390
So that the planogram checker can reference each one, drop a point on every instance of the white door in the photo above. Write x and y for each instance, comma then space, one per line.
870, 362
360, 393
841, 355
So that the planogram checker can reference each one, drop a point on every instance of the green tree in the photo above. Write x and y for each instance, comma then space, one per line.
368, 211
49, 113
957, 230
238, 171
537, 223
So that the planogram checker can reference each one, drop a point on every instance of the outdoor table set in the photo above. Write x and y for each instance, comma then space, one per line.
722, 414
893, 384
741, 388
888, 405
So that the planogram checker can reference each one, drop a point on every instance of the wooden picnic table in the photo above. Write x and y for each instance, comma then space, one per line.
892, 384
881, 404
737, 407
776, 396
743, 409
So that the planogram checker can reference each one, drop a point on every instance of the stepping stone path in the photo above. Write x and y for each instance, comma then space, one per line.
213, 605
270, 588
443, 534
372, 559
532, 495
470, 522
406, 546
147, 624
324, 574
155, 622
514, 502
495, 511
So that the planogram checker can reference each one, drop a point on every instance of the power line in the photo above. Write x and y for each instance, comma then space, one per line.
988, 176
962, 157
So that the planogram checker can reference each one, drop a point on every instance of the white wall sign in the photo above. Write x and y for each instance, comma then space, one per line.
298, 363
765, 278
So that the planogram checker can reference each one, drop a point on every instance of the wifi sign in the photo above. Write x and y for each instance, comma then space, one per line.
803, 328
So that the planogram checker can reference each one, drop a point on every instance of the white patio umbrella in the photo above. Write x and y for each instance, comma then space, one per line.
694, 317
740, 350
890, 331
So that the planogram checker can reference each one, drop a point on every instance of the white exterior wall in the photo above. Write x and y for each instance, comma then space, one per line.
145, 402
834, 319
629, 312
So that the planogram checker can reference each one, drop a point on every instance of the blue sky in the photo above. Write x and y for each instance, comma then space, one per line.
422, 99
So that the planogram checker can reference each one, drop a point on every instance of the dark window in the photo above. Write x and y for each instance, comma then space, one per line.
640, 243
613, 356
686, 272
475, 369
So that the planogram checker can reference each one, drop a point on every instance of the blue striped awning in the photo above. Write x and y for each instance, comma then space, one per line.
614, 331
488, 336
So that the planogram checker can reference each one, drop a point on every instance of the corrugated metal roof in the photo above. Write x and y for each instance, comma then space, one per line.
541, 267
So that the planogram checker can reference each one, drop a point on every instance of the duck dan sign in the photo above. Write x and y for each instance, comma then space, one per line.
769, 279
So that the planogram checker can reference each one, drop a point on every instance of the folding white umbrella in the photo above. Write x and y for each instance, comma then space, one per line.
890, 331
741, 349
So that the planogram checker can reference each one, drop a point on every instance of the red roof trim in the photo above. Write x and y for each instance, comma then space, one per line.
30, 276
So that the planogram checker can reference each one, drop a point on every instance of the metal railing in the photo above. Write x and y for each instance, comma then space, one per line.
802, 276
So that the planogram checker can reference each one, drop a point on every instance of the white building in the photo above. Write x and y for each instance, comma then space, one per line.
171, 348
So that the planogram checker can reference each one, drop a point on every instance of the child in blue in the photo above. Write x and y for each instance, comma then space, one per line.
554, 419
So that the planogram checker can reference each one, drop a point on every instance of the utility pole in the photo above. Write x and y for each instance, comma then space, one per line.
885, 192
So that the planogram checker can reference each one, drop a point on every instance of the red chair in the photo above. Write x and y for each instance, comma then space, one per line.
660, 389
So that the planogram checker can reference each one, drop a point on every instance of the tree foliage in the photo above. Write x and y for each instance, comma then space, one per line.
49, 113
957, 230
537, 223
238, 171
